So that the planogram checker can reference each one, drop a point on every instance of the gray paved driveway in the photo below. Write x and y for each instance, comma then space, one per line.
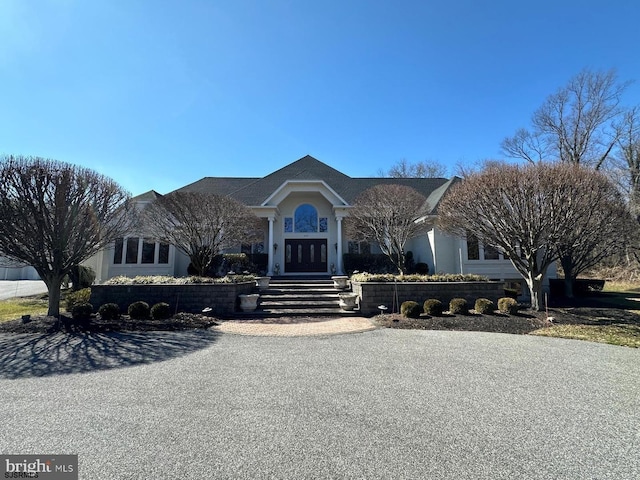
20, 288
380, 404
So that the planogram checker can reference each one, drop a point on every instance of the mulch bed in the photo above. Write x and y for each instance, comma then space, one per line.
45, 324
522, 323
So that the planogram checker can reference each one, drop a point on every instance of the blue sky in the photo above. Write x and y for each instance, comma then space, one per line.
158, 94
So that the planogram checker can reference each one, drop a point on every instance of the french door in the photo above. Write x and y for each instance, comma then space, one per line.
305, 255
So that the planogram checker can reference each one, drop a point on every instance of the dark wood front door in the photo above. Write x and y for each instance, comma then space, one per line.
305, 255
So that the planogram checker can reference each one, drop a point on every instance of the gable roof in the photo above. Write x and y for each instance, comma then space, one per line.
149, 196
254, 191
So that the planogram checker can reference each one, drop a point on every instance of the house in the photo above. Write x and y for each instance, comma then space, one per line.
302, 207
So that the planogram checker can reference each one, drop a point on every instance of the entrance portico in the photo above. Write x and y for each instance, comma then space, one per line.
304, 228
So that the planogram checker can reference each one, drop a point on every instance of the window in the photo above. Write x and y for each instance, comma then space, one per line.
359, 247
306, 219
491, 253
117, 252
477, 251
163, 253
132, 250
148, 250
473, 247
288, 224
136, 250
252, 248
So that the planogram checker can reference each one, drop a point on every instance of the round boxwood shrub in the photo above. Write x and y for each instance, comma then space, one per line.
82, 311
422, 268
458, 306
138, 310
109, 311
433, 307
508, 305
484, 305
410, 309
160, 311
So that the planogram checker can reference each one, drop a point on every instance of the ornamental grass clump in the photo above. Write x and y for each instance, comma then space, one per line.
484, 305
433, 307
410, 309
508, 305
458, 306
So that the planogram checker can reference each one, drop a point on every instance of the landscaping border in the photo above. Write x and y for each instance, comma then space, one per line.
190, 298
373, 294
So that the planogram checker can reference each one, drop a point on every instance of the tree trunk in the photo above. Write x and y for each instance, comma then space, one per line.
53, 283
535, 290
567, 266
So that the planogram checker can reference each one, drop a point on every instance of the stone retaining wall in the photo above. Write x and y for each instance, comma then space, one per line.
372, 294
192, 298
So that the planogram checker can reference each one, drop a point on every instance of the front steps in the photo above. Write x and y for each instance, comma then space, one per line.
298, 297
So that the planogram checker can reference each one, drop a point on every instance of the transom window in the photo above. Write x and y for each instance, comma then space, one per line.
305, 220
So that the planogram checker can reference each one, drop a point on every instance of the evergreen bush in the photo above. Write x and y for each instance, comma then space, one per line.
484, 305
458, 306
410, 309
161, 311
433, 307
82, 311
138, 310
508, 305
109, 311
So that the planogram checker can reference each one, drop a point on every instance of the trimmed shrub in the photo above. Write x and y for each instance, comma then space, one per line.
433, 307
484, 305
458, 306
75, 298
368, 262
511, 293
410, 309
138, 310
109, 311
81, 277
508, 305
82, 311
160, 311
422, 268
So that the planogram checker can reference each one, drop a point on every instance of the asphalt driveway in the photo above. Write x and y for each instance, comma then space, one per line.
21, 288
379, 404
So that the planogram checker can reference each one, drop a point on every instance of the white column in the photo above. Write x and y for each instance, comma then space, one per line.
339, 252
270, 248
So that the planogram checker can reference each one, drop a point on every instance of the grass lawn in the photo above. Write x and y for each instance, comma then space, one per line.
611, 316
16, 307
624, 335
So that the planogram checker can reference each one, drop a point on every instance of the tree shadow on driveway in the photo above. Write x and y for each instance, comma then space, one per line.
62, 353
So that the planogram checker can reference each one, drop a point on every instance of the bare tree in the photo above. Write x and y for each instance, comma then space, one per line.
387, 214
201, 225
628, 158
55, 215
425, 169
598, 223
529, 212
578, 124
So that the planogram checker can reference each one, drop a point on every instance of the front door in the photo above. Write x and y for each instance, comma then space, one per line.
305, 255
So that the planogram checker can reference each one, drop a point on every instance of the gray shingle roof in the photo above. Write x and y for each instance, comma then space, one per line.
254, 191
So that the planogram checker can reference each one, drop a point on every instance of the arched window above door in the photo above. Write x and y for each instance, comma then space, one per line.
306, 218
